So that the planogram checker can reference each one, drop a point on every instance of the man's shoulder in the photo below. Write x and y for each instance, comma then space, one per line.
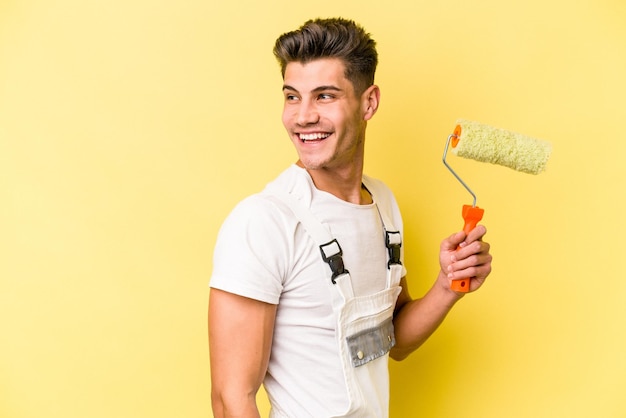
294, 181
377, 187
288, 181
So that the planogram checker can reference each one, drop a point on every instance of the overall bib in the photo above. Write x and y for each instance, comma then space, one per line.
364, 327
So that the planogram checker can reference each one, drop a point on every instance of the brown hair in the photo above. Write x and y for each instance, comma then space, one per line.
331, 38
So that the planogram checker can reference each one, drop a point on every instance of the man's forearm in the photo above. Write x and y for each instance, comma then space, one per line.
417, 319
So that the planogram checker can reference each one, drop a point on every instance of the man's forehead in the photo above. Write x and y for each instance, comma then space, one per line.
312, 74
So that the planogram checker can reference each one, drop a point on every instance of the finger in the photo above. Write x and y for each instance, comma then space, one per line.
467, 250
453, 241
476, 234
459, 266
479, 271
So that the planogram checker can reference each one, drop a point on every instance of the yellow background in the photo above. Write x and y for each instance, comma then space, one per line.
129, 129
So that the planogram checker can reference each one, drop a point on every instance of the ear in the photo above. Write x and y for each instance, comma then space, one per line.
370, 100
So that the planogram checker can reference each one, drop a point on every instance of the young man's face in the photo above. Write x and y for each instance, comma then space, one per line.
322, 114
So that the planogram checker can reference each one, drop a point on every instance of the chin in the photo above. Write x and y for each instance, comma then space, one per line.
310, 165
311, 162
314, 164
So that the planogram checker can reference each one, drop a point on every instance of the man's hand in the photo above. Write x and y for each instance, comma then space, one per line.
462, 256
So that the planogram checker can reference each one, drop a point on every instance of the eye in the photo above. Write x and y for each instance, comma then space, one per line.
291, 98
326, 96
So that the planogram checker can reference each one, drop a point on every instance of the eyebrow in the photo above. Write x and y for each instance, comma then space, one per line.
315, 90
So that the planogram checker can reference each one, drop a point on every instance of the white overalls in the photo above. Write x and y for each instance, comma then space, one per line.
364, 328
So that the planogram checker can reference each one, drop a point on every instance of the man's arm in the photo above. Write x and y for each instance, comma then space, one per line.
416, 320
240, 339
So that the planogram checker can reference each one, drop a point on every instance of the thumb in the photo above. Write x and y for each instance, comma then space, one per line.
453, 241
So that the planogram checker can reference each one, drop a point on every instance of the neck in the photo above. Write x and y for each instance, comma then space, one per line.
344, 184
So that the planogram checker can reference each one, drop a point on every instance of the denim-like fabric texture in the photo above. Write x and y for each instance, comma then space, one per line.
371, 343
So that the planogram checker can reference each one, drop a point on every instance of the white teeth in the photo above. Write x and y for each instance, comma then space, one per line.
313, 137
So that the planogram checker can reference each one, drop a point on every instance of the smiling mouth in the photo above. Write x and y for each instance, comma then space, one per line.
313, 137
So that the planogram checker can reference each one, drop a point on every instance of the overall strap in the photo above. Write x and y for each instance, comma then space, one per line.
393, 242
330, 249
393, 238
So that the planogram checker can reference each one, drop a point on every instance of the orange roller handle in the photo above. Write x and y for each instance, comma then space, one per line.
472, 215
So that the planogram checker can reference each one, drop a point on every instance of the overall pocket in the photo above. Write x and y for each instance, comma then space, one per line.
370, 334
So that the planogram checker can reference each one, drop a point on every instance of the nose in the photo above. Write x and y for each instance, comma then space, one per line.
307, 114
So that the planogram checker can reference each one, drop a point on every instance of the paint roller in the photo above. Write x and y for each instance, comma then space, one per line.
497, 146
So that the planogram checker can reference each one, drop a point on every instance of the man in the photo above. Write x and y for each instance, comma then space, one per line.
309, 294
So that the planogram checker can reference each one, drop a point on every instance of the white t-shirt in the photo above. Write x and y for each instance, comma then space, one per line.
262, 252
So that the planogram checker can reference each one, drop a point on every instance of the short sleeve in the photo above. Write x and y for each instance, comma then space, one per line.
252, 251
